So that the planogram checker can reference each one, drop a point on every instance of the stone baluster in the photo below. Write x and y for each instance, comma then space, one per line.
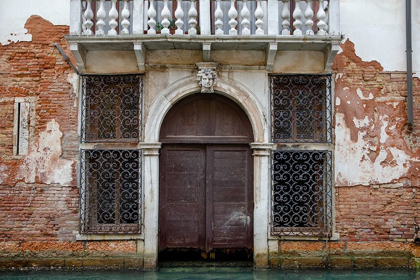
192, 15
101, 15
297, 15
89, 16
322, 31
218, 14
113, 15
309, 15
83, 16
151, 13
285, 14
179, 14
232, 13
166, 13
245, 14
259, 14
125, 23
327, 19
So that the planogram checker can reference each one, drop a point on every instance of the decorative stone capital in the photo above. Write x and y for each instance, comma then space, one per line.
207, 76
261, 149
150, 149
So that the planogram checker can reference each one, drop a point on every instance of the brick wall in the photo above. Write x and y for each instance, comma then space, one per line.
33, 204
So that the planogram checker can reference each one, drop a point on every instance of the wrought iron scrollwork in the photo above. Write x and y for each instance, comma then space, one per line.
302, 193
301, 108
111, 108
110, 191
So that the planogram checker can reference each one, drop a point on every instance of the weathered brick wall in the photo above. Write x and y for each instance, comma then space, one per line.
377, 156
38, 192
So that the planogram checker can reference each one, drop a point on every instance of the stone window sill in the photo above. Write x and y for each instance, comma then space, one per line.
100, 237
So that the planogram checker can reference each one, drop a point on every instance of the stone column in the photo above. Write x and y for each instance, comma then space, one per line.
261, 153
151, 203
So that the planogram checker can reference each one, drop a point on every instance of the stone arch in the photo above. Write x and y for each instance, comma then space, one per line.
230, 88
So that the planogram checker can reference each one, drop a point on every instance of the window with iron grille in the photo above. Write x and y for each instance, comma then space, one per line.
110, 179
302, 193
111, 108
301, 108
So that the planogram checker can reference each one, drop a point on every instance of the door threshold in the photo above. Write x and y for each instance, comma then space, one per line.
204, 264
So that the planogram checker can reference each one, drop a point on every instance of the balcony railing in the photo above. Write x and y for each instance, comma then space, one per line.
205, 17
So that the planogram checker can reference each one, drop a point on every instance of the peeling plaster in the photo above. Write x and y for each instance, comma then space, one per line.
73, 79
44, 162
361, 96
353, 166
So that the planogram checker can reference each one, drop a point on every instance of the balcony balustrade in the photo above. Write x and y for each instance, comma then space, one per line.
206, 25
204, 17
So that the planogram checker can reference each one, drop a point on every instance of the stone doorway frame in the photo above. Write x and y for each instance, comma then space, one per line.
258, 116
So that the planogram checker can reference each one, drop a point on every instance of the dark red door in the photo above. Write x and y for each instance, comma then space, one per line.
206, 182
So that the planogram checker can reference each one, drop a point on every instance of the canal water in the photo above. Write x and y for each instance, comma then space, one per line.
217, 273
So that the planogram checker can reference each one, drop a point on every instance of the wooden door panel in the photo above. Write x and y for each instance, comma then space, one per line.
229, 196
182, 194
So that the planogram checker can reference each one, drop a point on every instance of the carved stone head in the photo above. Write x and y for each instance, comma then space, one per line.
207, 78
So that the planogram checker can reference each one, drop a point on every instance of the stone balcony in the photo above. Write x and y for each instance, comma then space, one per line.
137, 26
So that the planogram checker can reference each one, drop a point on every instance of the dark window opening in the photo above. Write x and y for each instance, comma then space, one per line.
110, 193
111, 108
301, 193
301, 108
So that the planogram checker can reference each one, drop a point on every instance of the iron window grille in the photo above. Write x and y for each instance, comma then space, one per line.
111, 108
302, 193
110, 195
301, 108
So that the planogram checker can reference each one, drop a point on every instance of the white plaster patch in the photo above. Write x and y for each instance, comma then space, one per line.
44, 162
384, 135
346, 88
361, 123
361, 96
339, 75
73, 79
3, 175
337, 101
348, 102
14, 14
353, 165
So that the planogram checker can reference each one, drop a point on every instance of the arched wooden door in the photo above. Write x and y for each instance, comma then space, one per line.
206, 175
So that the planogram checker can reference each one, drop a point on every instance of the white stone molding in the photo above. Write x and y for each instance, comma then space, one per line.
330, 53
334, 17
138, 12
207, 76
76, 17
80, 55
205, 20
261, 153
206, 52
151, 202
271, 55
230, 88
140, 52
273, 17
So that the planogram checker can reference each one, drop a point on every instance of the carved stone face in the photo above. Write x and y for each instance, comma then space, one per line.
207, 80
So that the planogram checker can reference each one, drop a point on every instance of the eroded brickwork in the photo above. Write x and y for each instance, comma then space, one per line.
38, 192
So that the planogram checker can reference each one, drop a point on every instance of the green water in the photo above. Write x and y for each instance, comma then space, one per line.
217, 273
